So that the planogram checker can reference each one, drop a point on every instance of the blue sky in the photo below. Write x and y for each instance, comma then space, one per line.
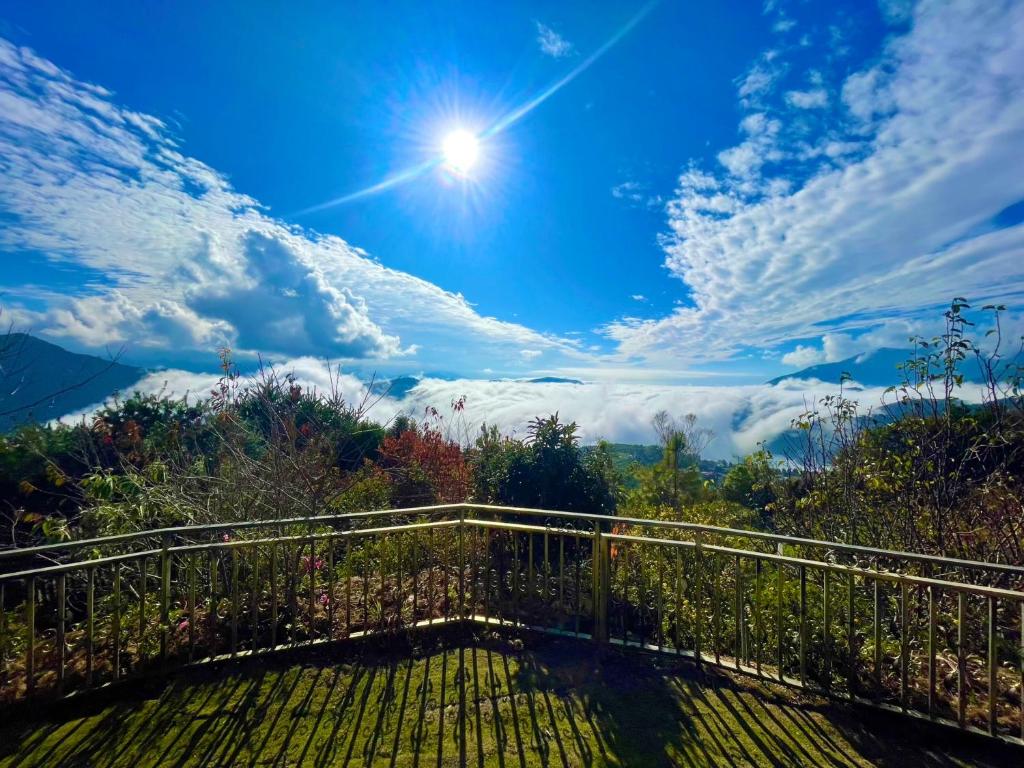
728, 192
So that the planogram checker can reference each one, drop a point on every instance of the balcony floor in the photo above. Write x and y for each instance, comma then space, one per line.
549, 703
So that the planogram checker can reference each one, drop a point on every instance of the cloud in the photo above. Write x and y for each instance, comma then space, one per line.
553, 44
745, 160
813, 99
896, 11
891, 212
277, 303
636, 193
530, 354
741, 416
760, 79
176, 258
610, 408
803, 356
638, 297
310, 373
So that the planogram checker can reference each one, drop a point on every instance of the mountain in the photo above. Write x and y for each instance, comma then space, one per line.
40, 381
396, 388
879, 368
552, 380
872, 369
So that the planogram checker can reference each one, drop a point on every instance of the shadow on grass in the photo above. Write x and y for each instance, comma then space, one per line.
484, 702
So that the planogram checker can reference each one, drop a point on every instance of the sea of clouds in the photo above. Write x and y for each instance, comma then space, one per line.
741, 417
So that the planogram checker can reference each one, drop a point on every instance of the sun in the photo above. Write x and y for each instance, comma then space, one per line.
460, 149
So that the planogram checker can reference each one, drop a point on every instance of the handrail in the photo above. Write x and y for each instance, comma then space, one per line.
867, 573
773, 537
214, 545
609, 580
75, 544
872, 552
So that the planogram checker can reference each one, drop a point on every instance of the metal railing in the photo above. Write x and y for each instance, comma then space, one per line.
916, 634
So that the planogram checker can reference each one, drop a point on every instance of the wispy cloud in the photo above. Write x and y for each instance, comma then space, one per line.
637, 194
553, 44
878, 217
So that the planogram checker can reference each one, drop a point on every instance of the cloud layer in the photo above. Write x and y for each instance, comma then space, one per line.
741, 417
859, 204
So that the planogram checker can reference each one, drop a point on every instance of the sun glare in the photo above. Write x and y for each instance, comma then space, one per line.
461, 150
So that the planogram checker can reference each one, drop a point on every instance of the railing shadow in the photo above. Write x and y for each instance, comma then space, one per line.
443, 699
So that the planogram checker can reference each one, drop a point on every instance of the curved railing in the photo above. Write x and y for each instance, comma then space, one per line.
918, 634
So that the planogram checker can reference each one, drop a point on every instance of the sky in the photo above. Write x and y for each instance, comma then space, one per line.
666, 194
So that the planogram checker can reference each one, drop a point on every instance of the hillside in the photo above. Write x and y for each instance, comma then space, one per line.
880, 368
41, 381
872, 369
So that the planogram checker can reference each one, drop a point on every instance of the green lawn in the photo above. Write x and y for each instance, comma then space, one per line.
490, 703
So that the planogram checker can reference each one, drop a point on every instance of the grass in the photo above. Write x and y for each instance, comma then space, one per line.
487, 702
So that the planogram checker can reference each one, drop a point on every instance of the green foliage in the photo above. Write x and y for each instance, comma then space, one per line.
928, 473
548, 470
751, 482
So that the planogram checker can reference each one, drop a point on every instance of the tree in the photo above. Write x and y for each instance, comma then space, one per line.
547, 470
424, 467
682, 443
752, 483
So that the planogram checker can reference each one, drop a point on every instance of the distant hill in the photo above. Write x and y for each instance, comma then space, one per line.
553, 380
879, 368
872, 369
40, 381
397, 388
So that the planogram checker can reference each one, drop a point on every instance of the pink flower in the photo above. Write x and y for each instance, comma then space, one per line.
324, 598
309, 564
183, 625
225, 537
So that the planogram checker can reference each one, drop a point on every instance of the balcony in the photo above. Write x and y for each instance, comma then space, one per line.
474, 634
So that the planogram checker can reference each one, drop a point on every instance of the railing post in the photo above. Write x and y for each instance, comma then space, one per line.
61, 626
165, 594
30, 625
462, 563
601, 556
780, 608
698, 578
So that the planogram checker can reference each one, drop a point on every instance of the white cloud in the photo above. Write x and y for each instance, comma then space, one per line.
620, 411
310, 373
553, 44
638, 297
636, 193
885, 230
186, 261
530, 354
740, 416
760, 79
816, 98
803, 356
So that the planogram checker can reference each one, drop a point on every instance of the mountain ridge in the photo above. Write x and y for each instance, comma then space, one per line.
41, 381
